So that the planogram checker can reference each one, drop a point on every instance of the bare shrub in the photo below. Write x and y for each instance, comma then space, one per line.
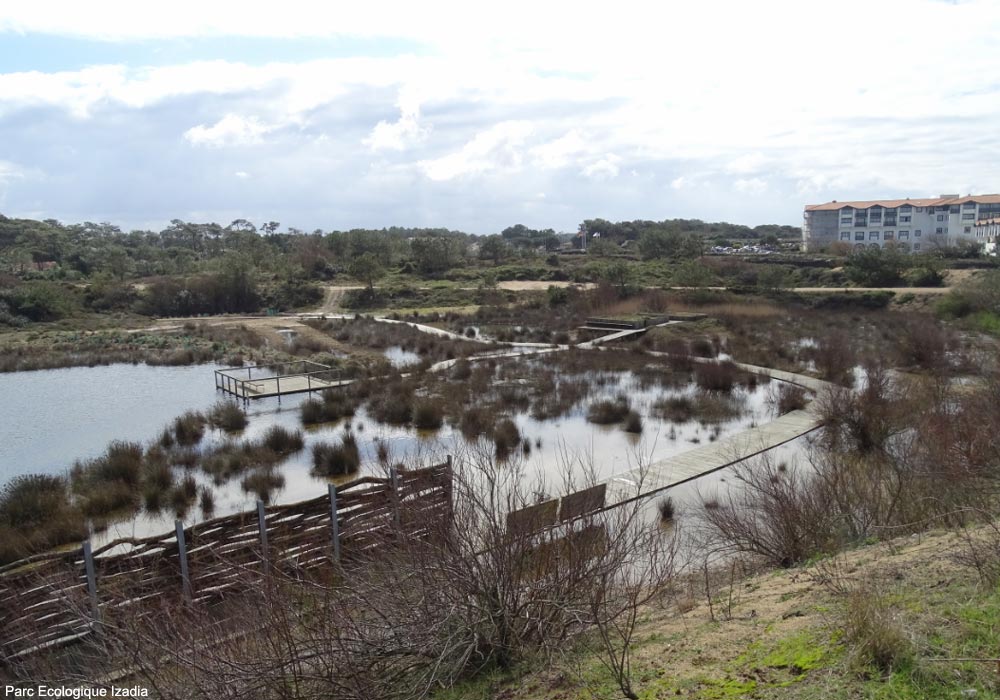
773, 513
867, 419
835, 358
457, 598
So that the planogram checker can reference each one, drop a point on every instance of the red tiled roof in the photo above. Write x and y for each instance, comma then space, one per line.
893, 203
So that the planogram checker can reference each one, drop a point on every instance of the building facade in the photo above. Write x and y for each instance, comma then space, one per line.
916, 225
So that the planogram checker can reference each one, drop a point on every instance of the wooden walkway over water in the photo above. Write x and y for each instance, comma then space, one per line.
662, 474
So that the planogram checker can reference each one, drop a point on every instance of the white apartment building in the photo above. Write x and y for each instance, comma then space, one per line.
916, 225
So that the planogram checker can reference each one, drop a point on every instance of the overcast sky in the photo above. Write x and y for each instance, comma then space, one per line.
476, 116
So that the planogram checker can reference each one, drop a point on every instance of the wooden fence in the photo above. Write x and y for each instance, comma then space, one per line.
56, 598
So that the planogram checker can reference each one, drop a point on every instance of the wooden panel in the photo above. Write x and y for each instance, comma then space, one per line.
582, 502
533, 518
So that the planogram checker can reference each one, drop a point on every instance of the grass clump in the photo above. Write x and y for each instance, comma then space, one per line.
716, 376
506, 438
227, 416
677, 409
36, 514
109, 483
608, 411
788, 398
667, 509
632, 423
331, 406
282, 441
262, 482
337, 459
189, 428
427, 415
873, 632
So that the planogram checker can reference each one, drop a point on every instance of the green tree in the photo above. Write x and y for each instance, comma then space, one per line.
494, 248
875, 267
366, 268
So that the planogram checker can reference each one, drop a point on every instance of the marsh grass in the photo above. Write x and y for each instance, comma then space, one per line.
506, 438
337, 459
632, 423
263, 482
428, 414
227, 415
282, 441
189, 428
608, 411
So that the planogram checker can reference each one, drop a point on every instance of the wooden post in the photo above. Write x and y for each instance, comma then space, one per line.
394, 481
183, 557
88, 565
277, 380
309, 381
262, 526
334, 523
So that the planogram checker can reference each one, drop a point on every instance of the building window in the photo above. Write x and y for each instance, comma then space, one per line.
904, 219
846, 221
969, 217
940, 217
968, 229
916, 234
904, 235
905, 207
873, 236
919, 210
859, 236
916, 246
943, 209
969, 205
953, 209
888, 235
939, 230
845, 236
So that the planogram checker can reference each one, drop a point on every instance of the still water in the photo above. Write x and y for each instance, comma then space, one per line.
50, 418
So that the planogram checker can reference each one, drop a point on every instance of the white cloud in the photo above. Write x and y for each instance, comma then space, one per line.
603, 169
241, 174
401, 134
560, 152
534, 99
231, 130
752, 185
747, 163
498, 148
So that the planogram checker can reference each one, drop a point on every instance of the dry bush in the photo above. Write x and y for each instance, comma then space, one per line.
717, 376
772, 513
835, 357
785, 398
422, 612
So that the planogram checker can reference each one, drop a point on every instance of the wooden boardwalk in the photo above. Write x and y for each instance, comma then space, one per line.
673, 471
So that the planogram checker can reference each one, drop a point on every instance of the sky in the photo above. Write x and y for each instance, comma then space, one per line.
477, 116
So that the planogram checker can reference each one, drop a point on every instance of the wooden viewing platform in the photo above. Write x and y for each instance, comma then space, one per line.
261, 382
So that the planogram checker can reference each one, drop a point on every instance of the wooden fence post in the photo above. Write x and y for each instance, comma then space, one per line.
334, 523
396, 504
183, 556
262, 526
88, 565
